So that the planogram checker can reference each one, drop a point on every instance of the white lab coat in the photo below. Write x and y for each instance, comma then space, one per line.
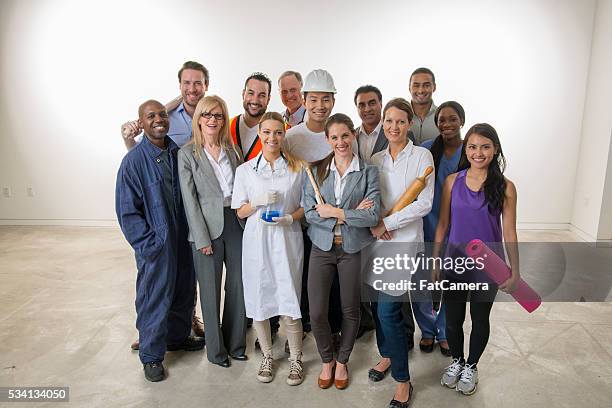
272, 255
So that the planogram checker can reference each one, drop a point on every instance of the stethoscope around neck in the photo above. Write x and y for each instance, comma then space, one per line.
273, 172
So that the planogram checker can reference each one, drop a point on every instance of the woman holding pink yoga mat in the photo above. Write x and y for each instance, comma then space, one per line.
476, 202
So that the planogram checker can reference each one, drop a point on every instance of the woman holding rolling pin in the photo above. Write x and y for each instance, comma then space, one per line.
475, 202
339, 230
399, 165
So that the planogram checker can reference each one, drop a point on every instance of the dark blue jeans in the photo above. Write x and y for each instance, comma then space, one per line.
391, 334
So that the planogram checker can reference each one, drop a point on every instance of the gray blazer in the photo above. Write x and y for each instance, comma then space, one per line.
202, 194
356, 228
380, 144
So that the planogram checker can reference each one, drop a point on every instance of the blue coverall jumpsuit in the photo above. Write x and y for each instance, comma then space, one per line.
152, 218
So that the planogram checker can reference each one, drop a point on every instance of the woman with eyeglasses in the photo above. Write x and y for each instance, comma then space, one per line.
267, 194
207, 165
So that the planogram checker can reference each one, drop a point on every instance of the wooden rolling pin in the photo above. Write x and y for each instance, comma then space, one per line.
315, 187
412, 192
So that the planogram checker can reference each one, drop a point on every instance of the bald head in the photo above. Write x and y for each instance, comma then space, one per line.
152, 102
153, 119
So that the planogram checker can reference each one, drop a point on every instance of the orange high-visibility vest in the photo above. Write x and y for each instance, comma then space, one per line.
252, 150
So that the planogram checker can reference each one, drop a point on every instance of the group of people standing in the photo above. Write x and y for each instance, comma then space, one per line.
287, 203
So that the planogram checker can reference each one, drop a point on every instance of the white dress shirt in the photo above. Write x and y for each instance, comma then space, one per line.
224, 174
366, 142
396, 176
340, 182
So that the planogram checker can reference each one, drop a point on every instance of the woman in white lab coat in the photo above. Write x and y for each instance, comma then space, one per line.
267, 192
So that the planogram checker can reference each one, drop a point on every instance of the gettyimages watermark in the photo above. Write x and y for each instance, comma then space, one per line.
549, 271
411, 264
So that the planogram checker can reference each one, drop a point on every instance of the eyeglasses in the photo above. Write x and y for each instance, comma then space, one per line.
217, 116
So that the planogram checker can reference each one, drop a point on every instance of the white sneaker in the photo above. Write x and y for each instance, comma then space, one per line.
469, 379
451, 375
296, 372
265, 373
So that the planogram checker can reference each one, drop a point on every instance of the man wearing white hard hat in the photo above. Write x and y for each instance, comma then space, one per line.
307, 140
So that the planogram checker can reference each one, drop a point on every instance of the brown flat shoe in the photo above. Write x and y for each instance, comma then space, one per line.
342, 384
135, 345
324, 384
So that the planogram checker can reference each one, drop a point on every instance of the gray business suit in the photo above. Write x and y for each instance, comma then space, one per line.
210, 223
380, 144
327, 259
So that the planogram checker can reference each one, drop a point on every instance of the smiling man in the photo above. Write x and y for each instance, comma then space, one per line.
193, 82
370, 135
307, 140
255, 99
290, 88
422, 86
151, 216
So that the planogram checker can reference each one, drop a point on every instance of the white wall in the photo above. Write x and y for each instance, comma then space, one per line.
596, 130
71, 72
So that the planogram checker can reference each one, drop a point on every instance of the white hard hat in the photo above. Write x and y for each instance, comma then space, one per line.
319, 80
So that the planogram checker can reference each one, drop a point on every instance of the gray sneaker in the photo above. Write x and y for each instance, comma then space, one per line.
469, 379
265, 373
451, 375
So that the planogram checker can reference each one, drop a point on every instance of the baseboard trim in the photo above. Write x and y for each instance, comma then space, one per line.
60, 223
542, 226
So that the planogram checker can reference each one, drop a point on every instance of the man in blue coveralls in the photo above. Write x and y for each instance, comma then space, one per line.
151, 215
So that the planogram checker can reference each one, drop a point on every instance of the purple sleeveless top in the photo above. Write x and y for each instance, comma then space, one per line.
470, 219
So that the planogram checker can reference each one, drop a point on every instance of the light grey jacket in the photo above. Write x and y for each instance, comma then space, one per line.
202, 194
356, 228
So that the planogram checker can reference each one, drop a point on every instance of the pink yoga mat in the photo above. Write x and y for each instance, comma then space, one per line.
497, 270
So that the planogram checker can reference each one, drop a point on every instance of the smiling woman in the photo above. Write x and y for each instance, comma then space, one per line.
267, 193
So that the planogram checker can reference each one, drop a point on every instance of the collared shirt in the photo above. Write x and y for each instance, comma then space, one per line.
340, 182
426, 129
395, 177
164, 160
366, 142
306, 144
180, 125
247, 134
225, 175
295, 118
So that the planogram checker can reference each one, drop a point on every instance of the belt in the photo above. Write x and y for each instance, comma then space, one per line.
337, 239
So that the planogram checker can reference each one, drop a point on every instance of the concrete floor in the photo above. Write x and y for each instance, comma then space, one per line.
67, 319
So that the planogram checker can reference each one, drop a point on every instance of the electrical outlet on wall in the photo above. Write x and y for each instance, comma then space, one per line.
6, 192
30, 191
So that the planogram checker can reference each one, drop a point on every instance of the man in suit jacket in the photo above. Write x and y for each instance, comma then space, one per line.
370, 135
371, 139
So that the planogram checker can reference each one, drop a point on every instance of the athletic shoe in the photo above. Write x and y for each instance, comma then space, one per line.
451, 375
469, 379
265, 373
296, 372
